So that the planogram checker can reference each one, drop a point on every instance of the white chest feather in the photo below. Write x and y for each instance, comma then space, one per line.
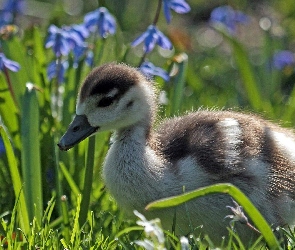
133, 173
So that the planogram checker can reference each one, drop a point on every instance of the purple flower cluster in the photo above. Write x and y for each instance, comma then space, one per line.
72, 39
69, 39
153, 36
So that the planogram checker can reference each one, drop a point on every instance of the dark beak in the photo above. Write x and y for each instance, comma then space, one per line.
78, 130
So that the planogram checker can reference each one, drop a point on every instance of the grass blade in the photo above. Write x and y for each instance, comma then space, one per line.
69, 179
76, 229
17, 183
10, 115
14, 50
31, 163
236, 193
65, 216
246, 71
87, 180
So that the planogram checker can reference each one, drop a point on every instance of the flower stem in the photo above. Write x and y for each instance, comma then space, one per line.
156, 18
155, 21
56, 110
10, 86
253, 228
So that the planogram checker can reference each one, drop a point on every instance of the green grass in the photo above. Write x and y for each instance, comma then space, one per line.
56, 200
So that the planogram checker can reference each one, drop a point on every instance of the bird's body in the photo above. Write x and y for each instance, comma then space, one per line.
184, 153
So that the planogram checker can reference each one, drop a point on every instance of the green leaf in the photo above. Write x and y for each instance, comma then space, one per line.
31, 161
17, 183
67, 175
15, 50
236, 193
246, 71
87, 180
9, 112
128, 230
75, 232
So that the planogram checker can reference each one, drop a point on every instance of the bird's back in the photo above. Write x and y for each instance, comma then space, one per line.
252, 153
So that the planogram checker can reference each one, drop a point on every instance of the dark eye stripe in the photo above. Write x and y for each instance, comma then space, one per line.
106, 101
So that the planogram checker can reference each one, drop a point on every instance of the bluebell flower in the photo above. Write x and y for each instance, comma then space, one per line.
6, 18
57, 70
9, 9
2, 147
63, 40
100, 20
76, 34
283, 59
228, 18
7, 63
150, 70
14, 6
179, 6
58, 40
79, 52
151, 37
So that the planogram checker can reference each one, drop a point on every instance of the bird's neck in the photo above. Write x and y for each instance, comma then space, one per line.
138, 134
131, 162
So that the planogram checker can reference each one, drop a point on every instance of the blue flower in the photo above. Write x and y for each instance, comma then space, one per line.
14, 6
228, 17
79, 52
75, 34
58, 40
57, 70
7, 63
101, 20
283, 59
9, 9
179, 6
150, 70
151, 37
64, 39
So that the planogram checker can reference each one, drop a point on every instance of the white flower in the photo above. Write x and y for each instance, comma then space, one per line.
151, 228
153, 232
238, 214
147, 244
184, 243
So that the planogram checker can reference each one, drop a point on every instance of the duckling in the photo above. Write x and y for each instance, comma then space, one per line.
184, 153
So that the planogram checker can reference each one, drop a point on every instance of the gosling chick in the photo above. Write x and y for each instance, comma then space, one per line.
184, 153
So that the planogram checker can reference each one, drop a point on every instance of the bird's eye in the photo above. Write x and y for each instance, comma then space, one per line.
104, 102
